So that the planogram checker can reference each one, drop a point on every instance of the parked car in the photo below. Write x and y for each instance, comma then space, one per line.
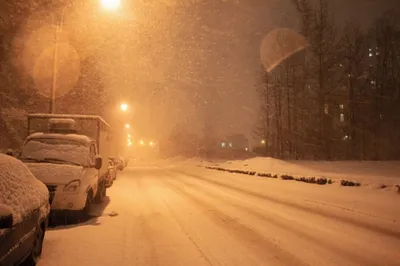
69, 166
24, 212
112, 174
118, 162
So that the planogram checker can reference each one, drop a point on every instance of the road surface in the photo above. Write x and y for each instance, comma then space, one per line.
163, 216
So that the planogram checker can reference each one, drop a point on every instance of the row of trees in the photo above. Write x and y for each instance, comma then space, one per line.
339, 97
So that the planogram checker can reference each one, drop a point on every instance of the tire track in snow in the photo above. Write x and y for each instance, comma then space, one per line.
333, 247
352, 221
186, 232
144, 222
261, 247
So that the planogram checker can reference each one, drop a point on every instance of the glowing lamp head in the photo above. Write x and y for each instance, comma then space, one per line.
124, 107
110, 4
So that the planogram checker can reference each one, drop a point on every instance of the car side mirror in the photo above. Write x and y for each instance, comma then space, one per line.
98, 162
6, 217
10, 152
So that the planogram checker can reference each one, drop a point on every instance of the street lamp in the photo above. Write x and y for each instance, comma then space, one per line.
124, 107
59, 23
127, 126
110, 4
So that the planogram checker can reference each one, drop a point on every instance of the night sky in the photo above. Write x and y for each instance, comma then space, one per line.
228, 72
190, 62
214, 67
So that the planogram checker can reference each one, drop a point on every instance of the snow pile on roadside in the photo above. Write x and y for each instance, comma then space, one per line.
366, 171
19, 189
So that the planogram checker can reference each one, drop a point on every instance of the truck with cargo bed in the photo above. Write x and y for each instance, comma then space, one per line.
69, 154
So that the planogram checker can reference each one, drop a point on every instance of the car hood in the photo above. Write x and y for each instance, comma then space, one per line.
50, 173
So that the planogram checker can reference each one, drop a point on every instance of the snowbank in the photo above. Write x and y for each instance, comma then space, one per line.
19, 189
367, 172
55, 173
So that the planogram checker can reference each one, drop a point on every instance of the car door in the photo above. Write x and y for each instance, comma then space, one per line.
16, 242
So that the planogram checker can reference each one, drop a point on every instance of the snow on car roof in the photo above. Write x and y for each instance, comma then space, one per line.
19, 189
80, 138
91, 117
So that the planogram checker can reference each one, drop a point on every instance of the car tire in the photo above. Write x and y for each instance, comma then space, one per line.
101, 193
84, 214
88, 206
37, 248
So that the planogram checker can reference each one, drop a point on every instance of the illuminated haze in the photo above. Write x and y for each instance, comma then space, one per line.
186, 62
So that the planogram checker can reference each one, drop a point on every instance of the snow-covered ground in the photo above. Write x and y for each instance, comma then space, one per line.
174, 214
369, 173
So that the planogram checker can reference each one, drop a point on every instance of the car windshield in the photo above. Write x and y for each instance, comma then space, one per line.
58, 151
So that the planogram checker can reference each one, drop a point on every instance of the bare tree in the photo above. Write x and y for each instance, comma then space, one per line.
353, 49
318, 27
385, 76
263, 128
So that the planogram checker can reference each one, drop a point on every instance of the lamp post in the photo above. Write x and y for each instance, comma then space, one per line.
59, 25
110, 5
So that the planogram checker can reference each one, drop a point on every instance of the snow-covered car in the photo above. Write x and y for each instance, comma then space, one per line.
24, 211
112, 174
119, 163
68, 165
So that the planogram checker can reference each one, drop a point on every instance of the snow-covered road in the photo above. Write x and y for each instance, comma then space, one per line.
188, 216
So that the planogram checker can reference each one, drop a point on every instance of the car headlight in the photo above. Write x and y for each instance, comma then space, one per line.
72, 186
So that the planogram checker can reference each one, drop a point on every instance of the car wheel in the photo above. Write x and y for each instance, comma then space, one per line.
36, 252
88, 205
101, 193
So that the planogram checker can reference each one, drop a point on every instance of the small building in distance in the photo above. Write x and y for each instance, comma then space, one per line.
236, 142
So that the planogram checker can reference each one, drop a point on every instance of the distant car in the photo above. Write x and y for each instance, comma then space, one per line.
118, 162
112, 174
24, 212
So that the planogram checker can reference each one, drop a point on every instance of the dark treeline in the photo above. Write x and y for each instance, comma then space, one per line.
337, 99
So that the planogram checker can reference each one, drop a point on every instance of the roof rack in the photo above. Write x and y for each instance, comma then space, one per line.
73, 116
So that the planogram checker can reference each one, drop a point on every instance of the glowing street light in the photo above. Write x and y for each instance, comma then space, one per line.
151, 143
124, 107
127, 126
141, 142
263, 142
110, 4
